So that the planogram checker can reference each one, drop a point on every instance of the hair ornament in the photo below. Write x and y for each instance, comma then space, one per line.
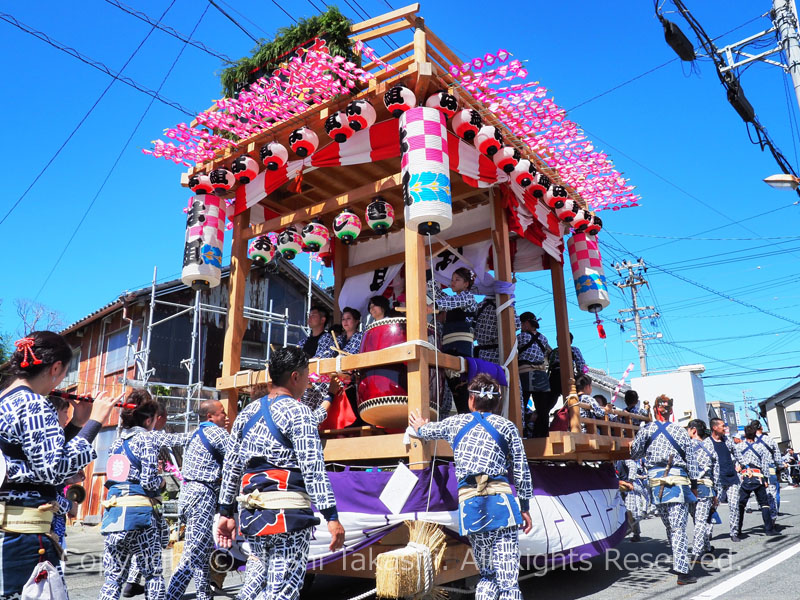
485, 392
25, 346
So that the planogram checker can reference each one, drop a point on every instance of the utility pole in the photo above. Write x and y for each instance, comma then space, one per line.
635, 279
784, 16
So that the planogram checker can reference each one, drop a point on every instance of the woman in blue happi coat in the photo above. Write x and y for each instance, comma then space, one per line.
486, 447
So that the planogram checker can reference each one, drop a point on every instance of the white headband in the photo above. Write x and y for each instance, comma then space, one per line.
485, 392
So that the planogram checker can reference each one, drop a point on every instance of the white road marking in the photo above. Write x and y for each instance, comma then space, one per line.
735, 582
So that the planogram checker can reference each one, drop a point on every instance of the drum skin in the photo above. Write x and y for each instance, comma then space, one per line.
383, 391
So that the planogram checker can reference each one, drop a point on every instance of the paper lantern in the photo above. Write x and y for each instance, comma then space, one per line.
200, 184
467, 123
540, 186
447, 103
524, 173
556, 196
261, 250
587, 273
398, 100
488, 140
595, 226
303, 142
425, 166
326, 254
289, 242
338, 127
274, 156
347, 226
221, 180
567, 212
202, 252
507, 159
244, 169
360, 115
380, 216
315, 235
581, 220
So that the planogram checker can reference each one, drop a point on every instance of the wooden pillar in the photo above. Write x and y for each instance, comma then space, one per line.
423, 68
506, 326
564, 345
236, 325
417, 329
341, 258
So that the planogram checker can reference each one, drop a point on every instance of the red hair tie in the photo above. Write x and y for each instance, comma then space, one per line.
25, 346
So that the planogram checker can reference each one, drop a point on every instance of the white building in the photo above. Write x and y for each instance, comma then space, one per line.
684, 386
783, 416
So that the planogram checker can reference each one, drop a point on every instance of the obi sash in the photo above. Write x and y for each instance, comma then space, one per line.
755, 478
705, 488
128, 507
273, 500
672, 488
457, 333
488, 504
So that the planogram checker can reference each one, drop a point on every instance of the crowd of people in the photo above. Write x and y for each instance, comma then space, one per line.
689, 471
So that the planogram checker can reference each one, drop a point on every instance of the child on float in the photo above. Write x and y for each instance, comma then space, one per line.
486, 447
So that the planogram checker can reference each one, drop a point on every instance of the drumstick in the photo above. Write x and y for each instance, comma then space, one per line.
87, 398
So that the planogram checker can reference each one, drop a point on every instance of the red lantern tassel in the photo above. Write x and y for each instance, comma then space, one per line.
600, 329
297, 186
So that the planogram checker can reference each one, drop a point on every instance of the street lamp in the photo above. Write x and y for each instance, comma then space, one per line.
784, 181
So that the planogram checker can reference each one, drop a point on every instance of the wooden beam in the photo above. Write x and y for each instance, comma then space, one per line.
507, 329
390, 55
564, 344
393, 259
330, 205
400, 13
424, 70
341, 256
442, 47
439, 59
382, 31
381, 447
236, 326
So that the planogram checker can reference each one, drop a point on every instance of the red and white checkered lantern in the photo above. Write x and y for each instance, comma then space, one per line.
447, 103
466, 124
338, 127
222, 180
360, 115
398, 100
587, 273
244, 169
488, 141
507, 158
205, 233
303, 142
200, 184
274, 156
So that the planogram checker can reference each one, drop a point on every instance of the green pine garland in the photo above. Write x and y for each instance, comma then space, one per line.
333, 24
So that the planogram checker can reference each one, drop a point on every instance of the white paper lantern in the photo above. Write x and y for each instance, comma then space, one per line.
200, 184
222, 180
347, 226
587, 273
595, 226
567, 212
581, 220
303, 142
338, 128
261, 250
244, 169
360, 115
425, 166
507, 159
447, 103
380, 216
524, 173
467, 123
488, 140
274, 156
315, 235
290, 242
556, 196
398, 100
540, 186
205, 233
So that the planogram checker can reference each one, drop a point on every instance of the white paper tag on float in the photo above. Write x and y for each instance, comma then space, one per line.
398, 489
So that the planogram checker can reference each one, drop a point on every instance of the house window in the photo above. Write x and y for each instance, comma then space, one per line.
793, 416
101, 445
115, 349
74, 365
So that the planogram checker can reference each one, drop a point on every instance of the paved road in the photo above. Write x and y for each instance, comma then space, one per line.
629, 572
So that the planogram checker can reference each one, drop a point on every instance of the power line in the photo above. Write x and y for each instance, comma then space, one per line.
232, 20
699, 239
284, 11
751, 371
13, 21
119, 156
176, 34
750, 381
97, 64
246, 18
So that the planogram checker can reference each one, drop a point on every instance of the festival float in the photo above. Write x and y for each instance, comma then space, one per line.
390, 166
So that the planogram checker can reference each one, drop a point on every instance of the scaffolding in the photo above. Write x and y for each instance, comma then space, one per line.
194, 388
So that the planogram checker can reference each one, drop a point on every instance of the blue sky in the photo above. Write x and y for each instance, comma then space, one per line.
671, 131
